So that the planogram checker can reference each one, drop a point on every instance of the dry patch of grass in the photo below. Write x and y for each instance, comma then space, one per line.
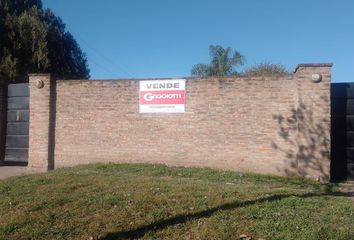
108, 201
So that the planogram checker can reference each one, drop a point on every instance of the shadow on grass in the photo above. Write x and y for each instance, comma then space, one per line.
183, 218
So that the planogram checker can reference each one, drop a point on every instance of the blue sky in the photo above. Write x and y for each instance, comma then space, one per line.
165, 38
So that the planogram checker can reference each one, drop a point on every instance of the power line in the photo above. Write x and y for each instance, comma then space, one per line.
103, 67
103, 57
108, 60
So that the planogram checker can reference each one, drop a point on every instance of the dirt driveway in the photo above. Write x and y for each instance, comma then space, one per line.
347, 188
12, 171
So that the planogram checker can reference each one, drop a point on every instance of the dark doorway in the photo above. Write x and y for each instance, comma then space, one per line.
342, 131
17, 129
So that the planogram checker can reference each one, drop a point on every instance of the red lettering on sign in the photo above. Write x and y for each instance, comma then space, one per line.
162, 97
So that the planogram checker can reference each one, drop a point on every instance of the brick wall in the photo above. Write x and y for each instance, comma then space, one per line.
263, 124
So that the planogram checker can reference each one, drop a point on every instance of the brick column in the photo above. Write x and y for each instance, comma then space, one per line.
314, 120
40, 86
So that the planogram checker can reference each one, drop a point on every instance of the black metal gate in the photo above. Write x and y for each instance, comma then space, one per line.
17, 130
342, 131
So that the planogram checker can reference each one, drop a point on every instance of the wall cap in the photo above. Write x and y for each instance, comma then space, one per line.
194, 77
313, 65
260, 77
39, 74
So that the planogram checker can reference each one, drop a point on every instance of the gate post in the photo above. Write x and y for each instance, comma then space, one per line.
39, 122
313, 115
3, 117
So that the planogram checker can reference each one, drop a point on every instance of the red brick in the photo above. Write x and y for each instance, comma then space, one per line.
229, 123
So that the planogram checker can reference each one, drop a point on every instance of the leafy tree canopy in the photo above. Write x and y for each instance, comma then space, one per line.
266, 68
223, 62
33, 39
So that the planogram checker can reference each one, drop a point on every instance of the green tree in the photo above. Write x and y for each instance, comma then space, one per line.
33, 39
266, 68
223, 62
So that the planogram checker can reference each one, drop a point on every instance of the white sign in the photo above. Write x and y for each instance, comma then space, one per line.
162, 96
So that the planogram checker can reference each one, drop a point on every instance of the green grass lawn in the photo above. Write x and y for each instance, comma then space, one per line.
157, 202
